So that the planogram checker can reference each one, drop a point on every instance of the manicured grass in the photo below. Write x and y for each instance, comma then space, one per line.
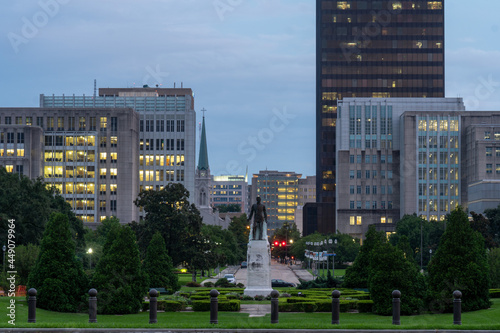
188, 277
484, 319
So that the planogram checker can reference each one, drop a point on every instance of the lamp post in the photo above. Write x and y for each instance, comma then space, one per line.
4, 248
430, 257
89, 251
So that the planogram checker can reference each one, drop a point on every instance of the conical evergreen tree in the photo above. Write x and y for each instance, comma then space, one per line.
58, 276
158, 265
357, 276
119, 279
460, 263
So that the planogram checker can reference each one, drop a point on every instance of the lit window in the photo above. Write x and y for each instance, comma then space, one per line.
343, 5
9, 168
359, 220
434, 5
352, 220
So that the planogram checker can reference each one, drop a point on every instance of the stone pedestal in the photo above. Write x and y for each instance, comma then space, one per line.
259, 268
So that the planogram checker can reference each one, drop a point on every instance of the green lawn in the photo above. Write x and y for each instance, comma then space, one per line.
485, 320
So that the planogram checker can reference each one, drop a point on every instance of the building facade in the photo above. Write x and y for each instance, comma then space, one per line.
228, 190
279, 193
370, 165
167, 130
89, 155
370, 49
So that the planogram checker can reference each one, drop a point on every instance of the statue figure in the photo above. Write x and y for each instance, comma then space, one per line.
259, 210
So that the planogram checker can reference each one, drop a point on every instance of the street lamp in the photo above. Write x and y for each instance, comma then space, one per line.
89, 251
430, 257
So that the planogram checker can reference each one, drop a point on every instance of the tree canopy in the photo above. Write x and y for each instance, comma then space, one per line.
158, 265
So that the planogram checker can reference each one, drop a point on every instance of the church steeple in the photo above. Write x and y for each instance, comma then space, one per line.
203, 158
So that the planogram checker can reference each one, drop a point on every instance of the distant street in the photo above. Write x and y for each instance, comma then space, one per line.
278, 271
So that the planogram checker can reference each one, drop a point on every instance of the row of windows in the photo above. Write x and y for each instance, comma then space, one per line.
487, 135
10, 168
358, 44
432, 157
489, 151
379, 5
226, 193
160, 160
432, 142
370, 174
358, 220
370, 205
489, 168
161, 144
378, 71
432, 125
149, 126
370, 159
432, 205
10, 137
413, 59
444, 190
432, 174
160, 176
225, 187
12, 152
373, 189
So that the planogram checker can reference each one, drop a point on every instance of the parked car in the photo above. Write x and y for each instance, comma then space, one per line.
244, 264
281, 283
230, 278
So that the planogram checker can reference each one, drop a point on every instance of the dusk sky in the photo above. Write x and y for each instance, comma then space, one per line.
250, 63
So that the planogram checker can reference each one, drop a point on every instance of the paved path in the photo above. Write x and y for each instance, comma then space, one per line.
278, 271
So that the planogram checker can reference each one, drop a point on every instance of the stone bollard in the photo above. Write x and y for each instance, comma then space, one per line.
396, 307
274, 307
92, 306
32, 305
457, 307
153, 306
335, 307
214, 306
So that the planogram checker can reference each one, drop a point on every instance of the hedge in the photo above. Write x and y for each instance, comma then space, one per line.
165, 305
365, 306
495, 293
225, 306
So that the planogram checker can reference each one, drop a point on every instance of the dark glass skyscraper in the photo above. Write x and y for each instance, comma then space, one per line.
371, 49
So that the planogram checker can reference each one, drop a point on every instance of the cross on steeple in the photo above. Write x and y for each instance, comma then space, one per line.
203, 110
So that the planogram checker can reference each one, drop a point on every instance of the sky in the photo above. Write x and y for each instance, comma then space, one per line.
250, 63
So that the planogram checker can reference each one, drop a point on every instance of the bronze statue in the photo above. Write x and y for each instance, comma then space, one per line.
260, 217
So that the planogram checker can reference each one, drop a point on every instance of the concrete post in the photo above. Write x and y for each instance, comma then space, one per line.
396, 307
457, 308
214, 306
32, 305
153, 306
274, 307
335, 307
92, 306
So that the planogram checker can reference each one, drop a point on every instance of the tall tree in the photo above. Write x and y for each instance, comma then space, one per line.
240, 228
169, 212
119, 278
58, 276
31, 204
460, 263
158, 265
357, 276
493, 216
391, 270
494, 265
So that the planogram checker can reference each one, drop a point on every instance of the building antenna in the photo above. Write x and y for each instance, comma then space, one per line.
95, 88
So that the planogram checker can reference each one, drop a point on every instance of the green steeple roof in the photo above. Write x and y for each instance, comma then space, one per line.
203, 158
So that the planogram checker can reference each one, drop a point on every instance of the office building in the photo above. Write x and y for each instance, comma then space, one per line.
279, 193
229, 190
371, 141
376, 49
90, 155
167, 123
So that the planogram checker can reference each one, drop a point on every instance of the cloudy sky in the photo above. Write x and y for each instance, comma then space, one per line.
251, 64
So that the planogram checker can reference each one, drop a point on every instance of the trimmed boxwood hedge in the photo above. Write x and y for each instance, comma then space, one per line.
165, 305
495, 293
365, 306
225, 306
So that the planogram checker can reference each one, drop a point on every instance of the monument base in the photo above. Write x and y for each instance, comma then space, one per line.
258, 269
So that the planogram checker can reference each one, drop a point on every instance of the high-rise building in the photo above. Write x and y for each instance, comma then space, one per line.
230, 190
90, 155
370, 142
369, 49
279, 193
167, 134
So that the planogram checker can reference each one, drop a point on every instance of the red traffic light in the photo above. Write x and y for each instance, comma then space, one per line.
283, 243
276, 243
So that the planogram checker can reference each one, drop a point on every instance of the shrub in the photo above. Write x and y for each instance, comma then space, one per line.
240, 285
309, 306
495, 293
158, 265
259, 298
365, 306
166, 305
193, 284
201, 306
247, 298
289, 307
209, 284
57, 275
285, 295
